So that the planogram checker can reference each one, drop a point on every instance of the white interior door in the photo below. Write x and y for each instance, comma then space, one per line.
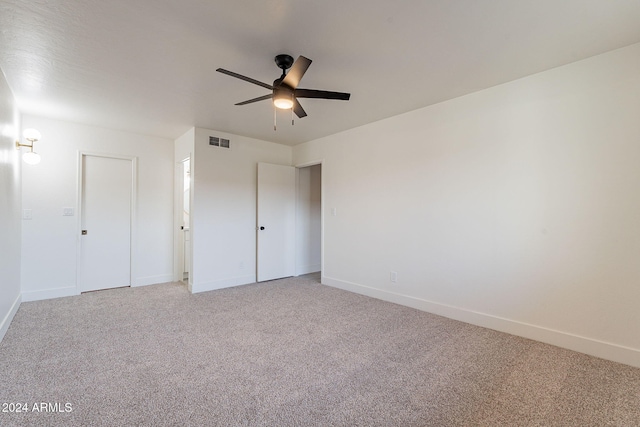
276, 221
105, 258
186, 215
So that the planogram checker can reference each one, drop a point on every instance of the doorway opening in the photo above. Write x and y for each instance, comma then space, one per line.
185, 218
289, 221
182, 222
309, 219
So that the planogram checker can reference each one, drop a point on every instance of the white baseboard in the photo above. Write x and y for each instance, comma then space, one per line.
4, 325
152, 280
49, 294
593, 347
220, 284
306, 269
71, 290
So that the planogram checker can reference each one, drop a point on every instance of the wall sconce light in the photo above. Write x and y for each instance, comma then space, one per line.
30, 157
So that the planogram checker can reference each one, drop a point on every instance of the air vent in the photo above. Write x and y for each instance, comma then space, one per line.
219, 142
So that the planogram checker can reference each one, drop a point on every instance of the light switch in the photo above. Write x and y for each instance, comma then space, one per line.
27, 214
334, 211
67, 211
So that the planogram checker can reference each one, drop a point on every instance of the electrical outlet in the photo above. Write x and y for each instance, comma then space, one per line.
27, 214
241, 266
67, 211
393, 276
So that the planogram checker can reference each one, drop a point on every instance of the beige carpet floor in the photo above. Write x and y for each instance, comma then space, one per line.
290, 352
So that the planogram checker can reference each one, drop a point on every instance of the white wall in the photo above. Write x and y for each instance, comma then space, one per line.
10, 210
308, 213
49, 240
516, 208
223, 209
184, 145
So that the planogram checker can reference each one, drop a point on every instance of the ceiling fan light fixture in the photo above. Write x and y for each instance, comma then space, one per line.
283, 98
283, 103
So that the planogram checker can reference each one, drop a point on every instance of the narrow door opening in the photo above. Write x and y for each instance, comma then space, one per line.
186, 241
309, 220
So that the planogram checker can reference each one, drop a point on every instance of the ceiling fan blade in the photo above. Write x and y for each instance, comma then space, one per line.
245, 78
260, 98
297, 108
322, 94
293, 77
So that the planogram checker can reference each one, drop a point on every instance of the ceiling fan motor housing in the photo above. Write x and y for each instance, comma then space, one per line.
284, 61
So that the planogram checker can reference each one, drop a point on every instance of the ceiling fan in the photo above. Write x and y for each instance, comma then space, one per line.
285, 91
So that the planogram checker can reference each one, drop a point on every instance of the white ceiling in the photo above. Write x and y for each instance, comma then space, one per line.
148, 66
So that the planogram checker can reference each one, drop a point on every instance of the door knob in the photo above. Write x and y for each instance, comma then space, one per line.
261, 228
84, 232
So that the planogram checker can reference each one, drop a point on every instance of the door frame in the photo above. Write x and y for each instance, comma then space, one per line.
178, 234
322, 174
133, 241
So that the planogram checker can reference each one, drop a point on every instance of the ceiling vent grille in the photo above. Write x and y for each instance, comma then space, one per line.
219, 142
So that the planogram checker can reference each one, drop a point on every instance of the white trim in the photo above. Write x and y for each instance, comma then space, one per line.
177, 170
322, 217
4, 325
133, 236
134, 220
593, 347
307, 164
296, 252
220, 284
192, 211
152, 280
79, 175
49, 294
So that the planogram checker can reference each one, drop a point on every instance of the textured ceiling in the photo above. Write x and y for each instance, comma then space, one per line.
148, 66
